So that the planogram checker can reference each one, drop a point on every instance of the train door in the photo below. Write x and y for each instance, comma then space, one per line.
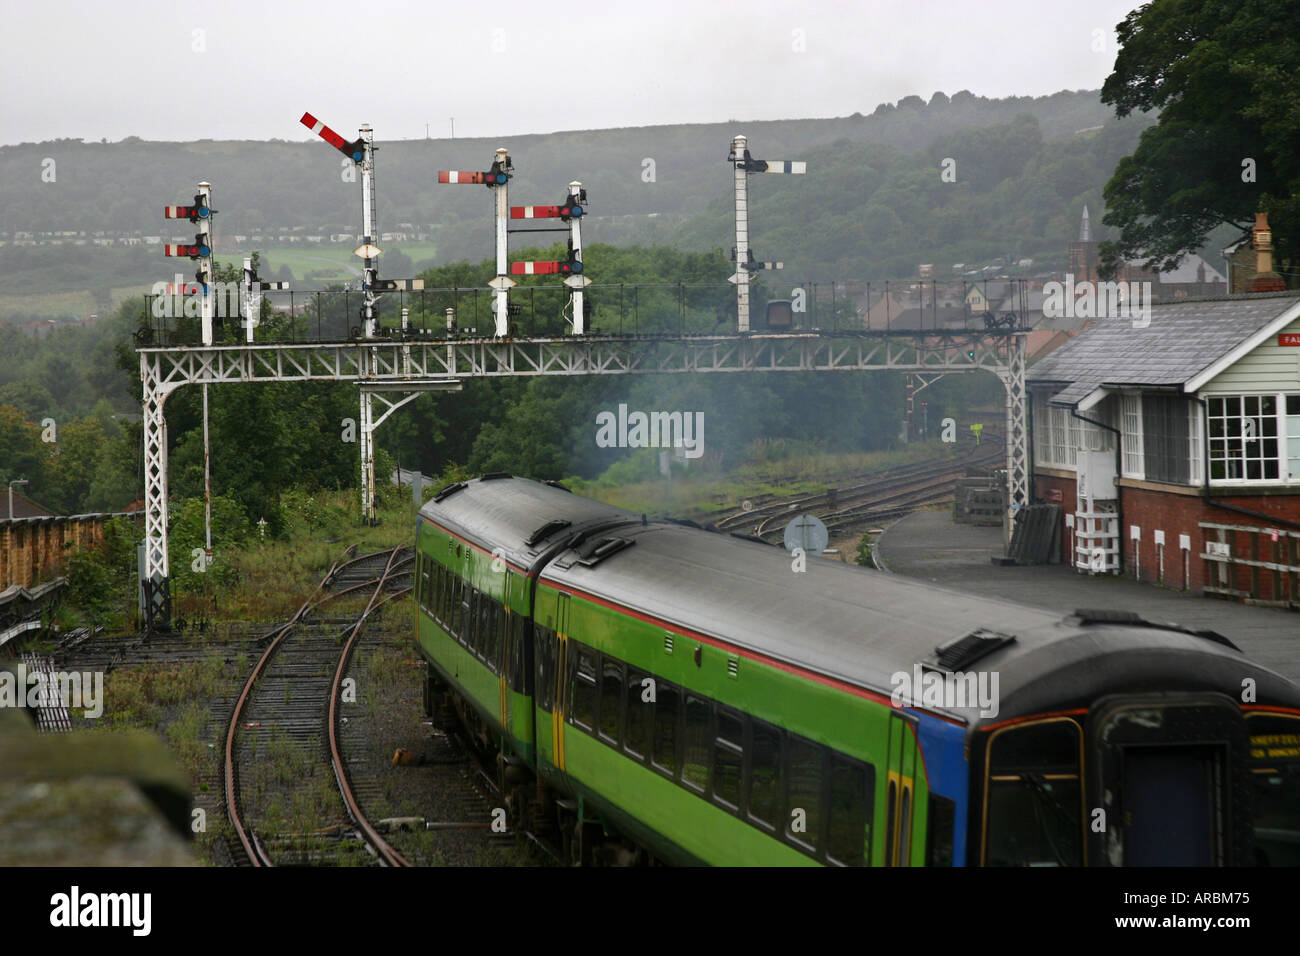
900, 788
1172, 775
559, 676
505, 651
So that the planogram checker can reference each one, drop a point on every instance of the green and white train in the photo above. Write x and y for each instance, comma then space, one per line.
659, 692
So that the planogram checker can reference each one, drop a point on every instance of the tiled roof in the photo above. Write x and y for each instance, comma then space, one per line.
1182, 339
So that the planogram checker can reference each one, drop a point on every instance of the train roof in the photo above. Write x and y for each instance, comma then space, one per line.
522, 517
859, 626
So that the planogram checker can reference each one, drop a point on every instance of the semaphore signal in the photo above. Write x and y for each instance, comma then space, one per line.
253, 289
361, 151
570, 211
200, 211
355, 150
745, 164
496, 178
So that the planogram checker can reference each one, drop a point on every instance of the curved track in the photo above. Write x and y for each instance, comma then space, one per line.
381, 574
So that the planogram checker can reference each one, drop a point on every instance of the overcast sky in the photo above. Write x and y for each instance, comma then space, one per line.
248, 70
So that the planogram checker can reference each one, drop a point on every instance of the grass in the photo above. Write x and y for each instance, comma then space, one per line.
140, 696
275, 576
705, 496
58, 304
328, 259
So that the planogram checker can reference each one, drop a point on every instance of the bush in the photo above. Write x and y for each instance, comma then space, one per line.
102, 580
864, 552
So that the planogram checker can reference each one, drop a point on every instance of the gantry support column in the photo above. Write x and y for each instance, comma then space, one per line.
154, 573
1017, 437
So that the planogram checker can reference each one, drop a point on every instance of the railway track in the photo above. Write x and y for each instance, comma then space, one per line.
891, 494
283, 732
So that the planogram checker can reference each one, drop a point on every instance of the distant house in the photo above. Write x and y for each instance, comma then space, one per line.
24, 507
1194, 277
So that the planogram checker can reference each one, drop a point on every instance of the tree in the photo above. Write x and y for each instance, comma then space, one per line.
1222, 77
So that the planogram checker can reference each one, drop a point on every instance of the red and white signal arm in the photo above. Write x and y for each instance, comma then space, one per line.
534, 268
459, 176
535, 212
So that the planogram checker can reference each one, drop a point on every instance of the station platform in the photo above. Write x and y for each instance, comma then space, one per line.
930, 546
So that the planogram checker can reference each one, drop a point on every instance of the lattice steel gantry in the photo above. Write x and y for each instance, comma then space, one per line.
405, 366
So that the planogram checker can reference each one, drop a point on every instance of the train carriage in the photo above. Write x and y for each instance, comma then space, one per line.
689, 695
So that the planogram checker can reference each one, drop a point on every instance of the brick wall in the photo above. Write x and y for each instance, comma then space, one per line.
1153, 510
1177, 515
32, 550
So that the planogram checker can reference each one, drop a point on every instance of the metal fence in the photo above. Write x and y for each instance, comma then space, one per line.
672, 309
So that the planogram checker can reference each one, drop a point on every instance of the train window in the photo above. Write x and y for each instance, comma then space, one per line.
583, 695
640, 709
728, 759
491, 638
849, 835
939, 831
1275, 769
471, 615
1034, 809
804, 821
520, 682
500, 655
611, 699
695, 753
448, 595
545, 667
457, 593
440, 592
765, 775
667, 703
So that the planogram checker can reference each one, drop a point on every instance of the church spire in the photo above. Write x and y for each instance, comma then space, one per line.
1085, 227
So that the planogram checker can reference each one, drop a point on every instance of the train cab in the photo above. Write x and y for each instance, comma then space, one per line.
1117, 773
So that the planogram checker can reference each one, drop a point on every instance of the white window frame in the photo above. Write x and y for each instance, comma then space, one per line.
1196, 443
1283, 435
1133, 464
